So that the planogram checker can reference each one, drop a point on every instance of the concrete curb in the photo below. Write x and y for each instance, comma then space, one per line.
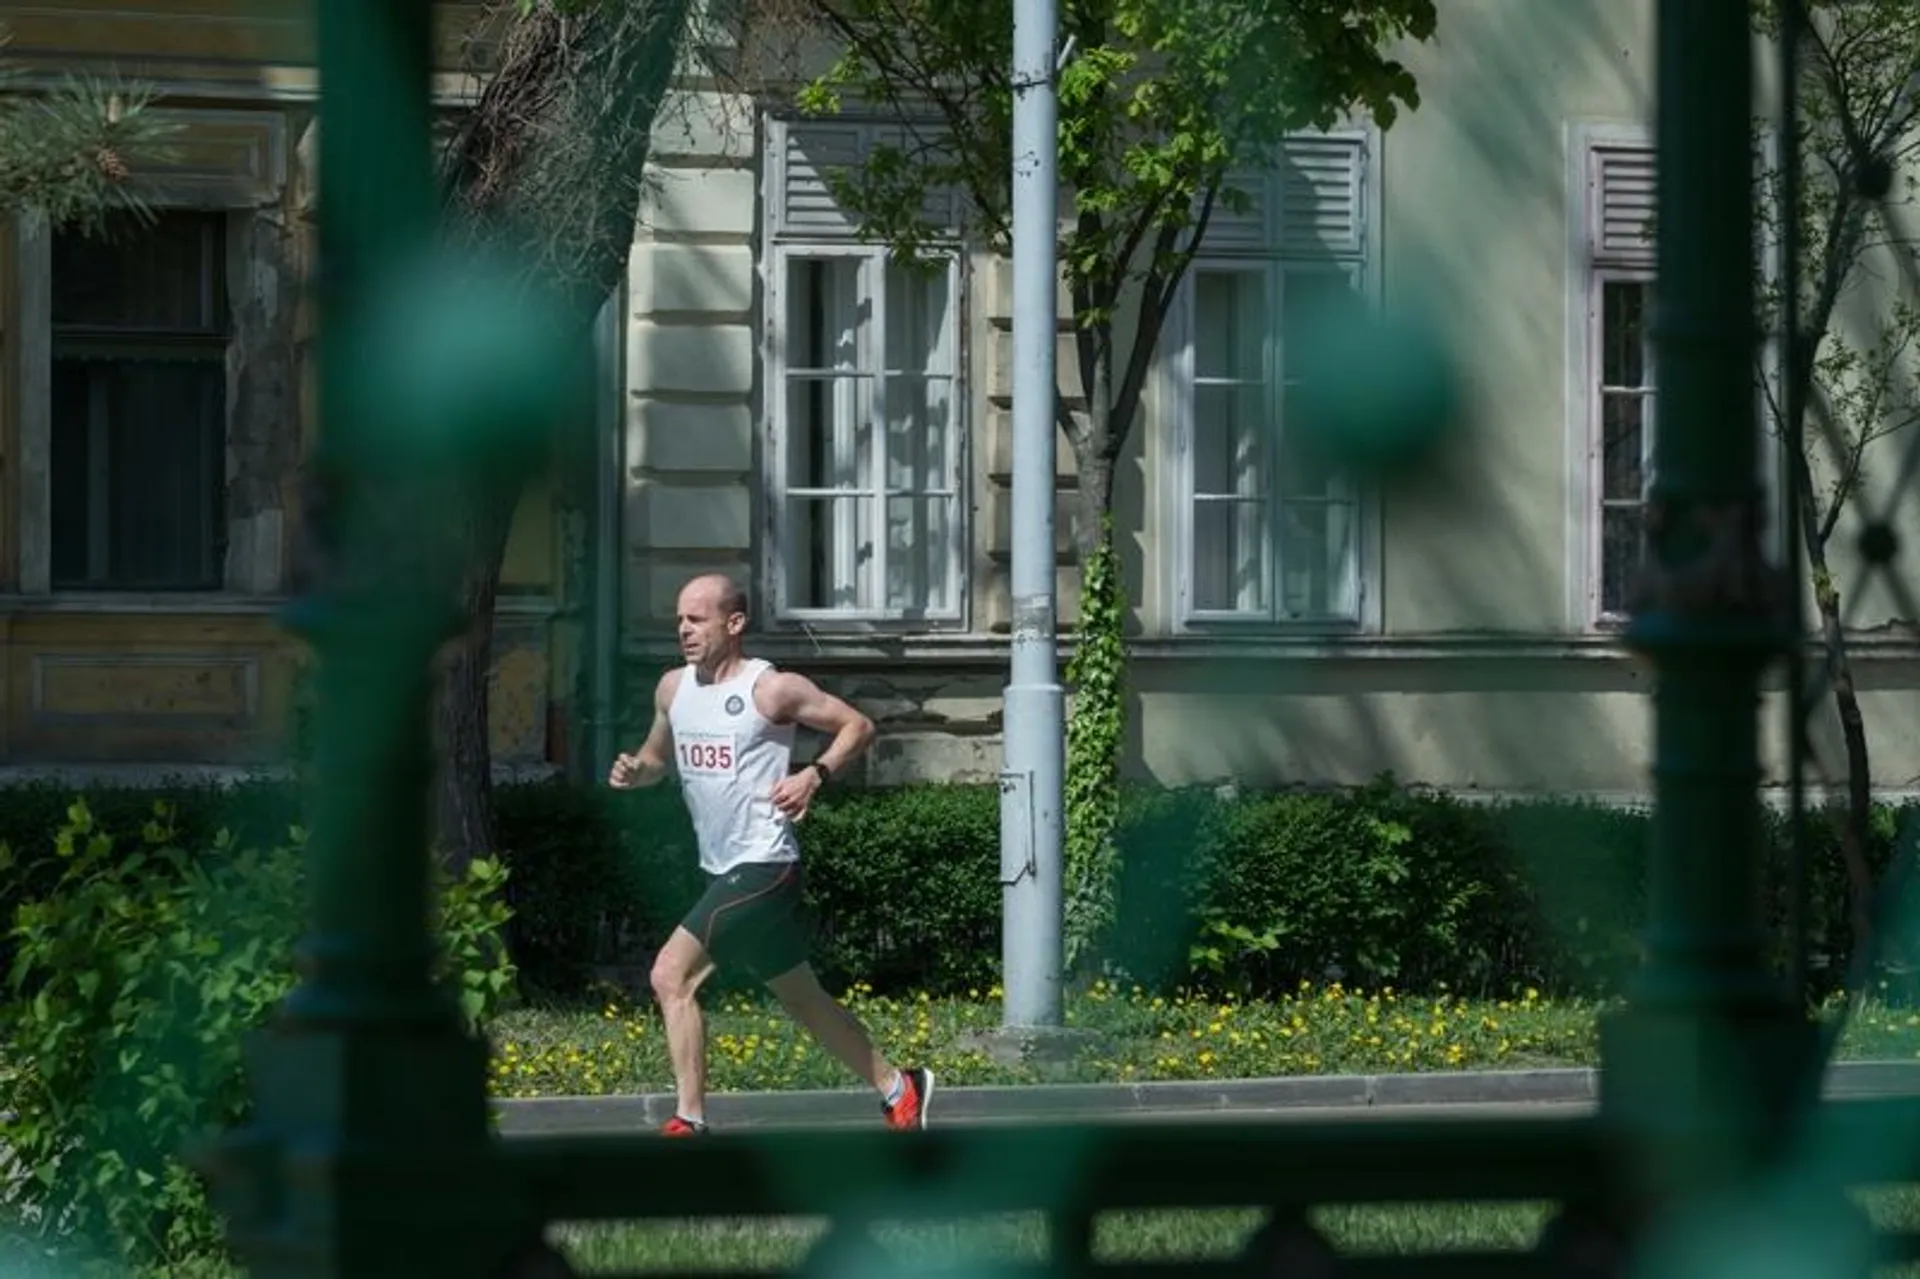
558, 1116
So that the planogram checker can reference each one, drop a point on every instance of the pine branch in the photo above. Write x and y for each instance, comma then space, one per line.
75, 153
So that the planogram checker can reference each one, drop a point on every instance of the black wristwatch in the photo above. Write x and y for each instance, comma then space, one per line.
822, 769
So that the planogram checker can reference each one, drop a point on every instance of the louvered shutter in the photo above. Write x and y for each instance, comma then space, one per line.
1622, 186
1312, 203
942, 204
811, 153
1321, 192
1241, 231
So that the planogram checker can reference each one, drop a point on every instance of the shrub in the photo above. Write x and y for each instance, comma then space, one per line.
1375, 887
905, 889
134, 979
1243, 891
251, 813
903, 884
1578, 871
597, 875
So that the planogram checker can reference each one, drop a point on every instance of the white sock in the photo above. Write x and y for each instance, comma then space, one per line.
898, 1089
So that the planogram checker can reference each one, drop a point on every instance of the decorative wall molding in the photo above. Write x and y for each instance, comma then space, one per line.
227, 159
238, 36
141, 604
144, 690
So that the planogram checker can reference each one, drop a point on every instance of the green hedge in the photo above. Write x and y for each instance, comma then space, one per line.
1378, 885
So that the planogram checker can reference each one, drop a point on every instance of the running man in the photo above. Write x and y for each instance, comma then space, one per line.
726, 722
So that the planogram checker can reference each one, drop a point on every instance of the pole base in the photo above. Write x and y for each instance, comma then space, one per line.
1051, 1051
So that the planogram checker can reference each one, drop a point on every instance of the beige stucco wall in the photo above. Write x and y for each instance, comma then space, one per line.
1482, 674
1474, 189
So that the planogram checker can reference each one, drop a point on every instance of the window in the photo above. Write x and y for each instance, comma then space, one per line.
1625, 400
1265, 534
138, 413
1616, 395
865, 426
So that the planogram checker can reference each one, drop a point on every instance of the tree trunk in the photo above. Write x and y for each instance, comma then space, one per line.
463, 827
1094, 447
548, 167
1856, 828
1094, 497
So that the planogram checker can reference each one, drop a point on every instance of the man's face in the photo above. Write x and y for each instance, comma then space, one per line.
705, 631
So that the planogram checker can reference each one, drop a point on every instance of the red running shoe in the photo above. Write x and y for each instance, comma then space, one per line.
910, 1111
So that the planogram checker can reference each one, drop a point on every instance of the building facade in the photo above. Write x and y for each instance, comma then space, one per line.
1463, 631
157, 410
789, 405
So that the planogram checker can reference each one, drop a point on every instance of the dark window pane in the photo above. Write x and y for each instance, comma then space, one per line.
70, 457
1623, 445
1620, 540
1310, 299
138, 474
169, 276
1623, 333
139, 405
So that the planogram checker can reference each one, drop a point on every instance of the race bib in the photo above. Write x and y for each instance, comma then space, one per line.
706, 754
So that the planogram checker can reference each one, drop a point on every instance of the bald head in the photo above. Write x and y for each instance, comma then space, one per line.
720, 592
713, 614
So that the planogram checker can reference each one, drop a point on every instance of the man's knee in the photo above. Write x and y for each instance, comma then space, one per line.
674, 978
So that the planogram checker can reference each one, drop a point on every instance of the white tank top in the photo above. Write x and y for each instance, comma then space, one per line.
729, 757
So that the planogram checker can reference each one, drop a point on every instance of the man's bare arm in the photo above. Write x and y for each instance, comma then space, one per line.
650, 763
794, 699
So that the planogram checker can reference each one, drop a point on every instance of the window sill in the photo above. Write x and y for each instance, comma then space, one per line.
219, 602
981, 649
141, 602
1355, 645
993, 649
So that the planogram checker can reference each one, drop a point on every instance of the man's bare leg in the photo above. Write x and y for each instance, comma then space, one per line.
678, 972
828, 1021
904, 1094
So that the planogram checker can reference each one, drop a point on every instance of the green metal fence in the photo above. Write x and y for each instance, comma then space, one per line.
370, 1152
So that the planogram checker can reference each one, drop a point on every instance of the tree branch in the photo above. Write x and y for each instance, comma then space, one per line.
1137, 233
1156, 295
903, 74
1088, 338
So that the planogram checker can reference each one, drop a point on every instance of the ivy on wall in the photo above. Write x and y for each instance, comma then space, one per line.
1096, 676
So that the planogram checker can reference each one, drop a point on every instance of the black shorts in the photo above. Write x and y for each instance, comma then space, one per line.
754, 917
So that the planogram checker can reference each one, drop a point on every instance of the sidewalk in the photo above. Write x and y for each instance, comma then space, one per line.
555, 1116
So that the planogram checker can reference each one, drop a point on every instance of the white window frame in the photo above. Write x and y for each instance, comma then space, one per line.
1174, 391
783, 247
1589, 269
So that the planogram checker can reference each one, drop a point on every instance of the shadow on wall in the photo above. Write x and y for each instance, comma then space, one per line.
1491, 720
1476, 224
